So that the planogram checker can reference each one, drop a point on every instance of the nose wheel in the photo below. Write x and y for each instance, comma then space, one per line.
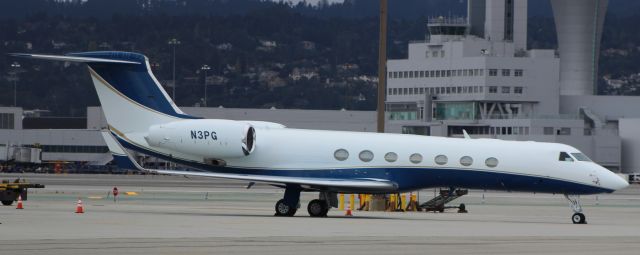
579, 218
574, 202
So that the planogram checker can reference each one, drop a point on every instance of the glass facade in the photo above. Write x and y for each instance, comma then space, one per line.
6, 121
412, 115
75, 149
416, 130
455, 111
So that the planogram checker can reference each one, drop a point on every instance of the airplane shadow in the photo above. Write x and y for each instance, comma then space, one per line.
356, 218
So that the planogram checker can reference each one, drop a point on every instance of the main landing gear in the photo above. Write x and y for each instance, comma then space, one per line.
288, 206
290, 203
318, 208
574, 202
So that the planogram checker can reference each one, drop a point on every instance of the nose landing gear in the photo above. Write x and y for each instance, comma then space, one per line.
579, 218
574, 202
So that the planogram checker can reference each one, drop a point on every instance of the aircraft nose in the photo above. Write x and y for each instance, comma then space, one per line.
614, 182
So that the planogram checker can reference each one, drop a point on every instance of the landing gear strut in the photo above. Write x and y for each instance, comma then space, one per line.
289, 204
574, 202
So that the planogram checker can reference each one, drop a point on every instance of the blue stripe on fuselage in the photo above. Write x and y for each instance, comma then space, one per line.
408, 179
132, 80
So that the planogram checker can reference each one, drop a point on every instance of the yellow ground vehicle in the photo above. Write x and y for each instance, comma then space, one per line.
9, 191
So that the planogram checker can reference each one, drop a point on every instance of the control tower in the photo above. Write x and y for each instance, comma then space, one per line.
499, 21
579, 28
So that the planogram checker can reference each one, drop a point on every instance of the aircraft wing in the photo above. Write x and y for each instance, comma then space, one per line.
125, 160
369, 184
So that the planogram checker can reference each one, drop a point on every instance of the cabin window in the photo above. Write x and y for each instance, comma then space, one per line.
466, 161
581, 157
441, 159
565, 157
341, 154
391, 157
415, 158
366, 156
491, 162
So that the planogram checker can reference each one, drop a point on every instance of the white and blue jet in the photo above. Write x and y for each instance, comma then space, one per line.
143, 118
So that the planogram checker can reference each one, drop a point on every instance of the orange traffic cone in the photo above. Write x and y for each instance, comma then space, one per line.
19, 206
79, 207
348, 211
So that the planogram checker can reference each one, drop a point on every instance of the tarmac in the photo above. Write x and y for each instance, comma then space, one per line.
177, 215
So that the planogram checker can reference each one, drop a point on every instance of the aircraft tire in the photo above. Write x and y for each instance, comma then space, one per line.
7, 202
578, 218
318, 208
283, 209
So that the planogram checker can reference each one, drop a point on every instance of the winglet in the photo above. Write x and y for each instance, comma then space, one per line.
466, 135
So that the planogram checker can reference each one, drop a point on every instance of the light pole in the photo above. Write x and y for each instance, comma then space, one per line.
174, 42
15, 66
205, 68
382, 66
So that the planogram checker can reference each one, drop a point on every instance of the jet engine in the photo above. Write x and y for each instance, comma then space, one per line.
217, 139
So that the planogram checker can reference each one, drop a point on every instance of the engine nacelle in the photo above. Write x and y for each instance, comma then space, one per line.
213, 139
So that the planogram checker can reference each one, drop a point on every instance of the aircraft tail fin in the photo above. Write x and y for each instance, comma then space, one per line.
131, 97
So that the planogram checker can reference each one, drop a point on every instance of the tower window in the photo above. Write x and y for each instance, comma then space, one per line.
517, 90
518, 72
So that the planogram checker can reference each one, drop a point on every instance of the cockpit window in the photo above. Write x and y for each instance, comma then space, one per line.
565, 157
581, 157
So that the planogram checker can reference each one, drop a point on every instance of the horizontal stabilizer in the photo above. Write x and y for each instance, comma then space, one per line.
72, 58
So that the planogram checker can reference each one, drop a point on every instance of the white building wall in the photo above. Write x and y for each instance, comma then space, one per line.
95, 118
609, 108
579, 29
364, 121
520, 18
629, 129
17, 116
475, 14
540, 79
73, 137
494, 20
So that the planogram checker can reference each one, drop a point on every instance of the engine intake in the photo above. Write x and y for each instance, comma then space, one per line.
248, 143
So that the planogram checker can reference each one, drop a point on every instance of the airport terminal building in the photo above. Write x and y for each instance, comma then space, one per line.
471, 73
475, 73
